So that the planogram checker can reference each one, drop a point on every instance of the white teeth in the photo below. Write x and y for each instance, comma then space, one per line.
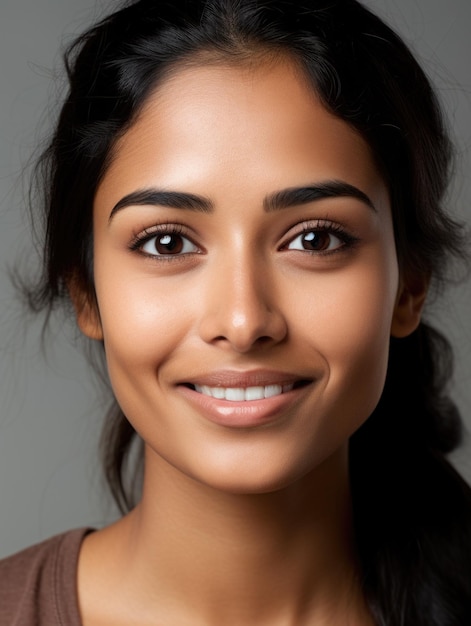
273, 390
217, 392
255, 393
242, 394
234, 394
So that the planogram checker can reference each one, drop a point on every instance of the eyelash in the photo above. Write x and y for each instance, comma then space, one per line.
140, 240
318, 226
328, 227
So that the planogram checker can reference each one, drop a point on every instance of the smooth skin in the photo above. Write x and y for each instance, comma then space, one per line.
220, 282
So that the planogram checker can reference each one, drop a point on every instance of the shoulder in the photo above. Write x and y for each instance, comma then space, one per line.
38, 584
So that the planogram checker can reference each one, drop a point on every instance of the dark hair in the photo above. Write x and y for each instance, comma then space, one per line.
412, 511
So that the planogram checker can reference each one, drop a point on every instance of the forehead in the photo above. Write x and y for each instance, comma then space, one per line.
261, 121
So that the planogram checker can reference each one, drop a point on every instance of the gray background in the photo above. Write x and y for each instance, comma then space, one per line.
51, 408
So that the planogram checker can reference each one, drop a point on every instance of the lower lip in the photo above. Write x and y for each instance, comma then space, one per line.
247, 414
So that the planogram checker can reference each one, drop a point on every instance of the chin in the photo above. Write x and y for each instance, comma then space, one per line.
264, 477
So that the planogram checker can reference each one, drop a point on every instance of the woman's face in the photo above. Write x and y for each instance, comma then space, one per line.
246, 277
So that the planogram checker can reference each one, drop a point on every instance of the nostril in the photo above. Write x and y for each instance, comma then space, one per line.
264, 339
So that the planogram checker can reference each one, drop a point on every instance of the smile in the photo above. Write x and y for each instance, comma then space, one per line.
244, 400
243, 394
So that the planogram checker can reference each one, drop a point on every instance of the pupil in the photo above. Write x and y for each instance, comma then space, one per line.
316, 240
169, 244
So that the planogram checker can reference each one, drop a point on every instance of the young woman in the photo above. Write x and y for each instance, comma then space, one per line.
243, 204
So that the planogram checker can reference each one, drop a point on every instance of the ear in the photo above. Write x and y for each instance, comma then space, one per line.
410, 301
86, 310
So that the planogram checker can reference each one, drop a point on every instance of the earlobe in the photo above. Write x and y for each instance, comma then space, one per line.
86, 311
410, 302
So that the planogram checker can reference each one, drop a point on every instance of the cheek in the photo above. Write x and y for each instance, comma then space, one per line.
144, 320
350, 320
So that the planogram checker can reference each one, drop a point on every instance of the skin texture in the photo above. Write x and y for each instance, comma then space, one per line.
266, 489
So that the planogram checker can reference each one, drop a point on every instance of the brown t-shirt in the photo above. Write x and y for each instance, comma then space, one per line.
38, 586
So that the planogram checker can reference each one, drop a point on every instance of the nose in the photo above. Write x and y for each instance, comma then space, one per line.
241, 308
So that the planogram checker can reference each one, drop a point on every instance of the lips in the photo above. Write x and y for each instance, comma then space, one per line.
237, 399
245, 399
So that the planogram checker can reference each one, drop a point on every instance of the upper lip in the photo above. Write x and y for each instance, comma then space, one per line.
254, 378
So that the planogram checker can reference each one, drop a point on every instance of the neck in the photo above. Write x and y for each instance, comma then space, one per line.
284, 557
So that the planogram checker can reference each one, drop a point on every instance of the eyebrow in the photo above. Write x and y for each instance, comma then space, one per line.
293, 196
161, 197
276, 201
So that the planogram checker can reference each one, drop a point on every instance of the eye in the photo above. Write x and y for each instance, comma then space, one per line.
168, 244
315, 240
